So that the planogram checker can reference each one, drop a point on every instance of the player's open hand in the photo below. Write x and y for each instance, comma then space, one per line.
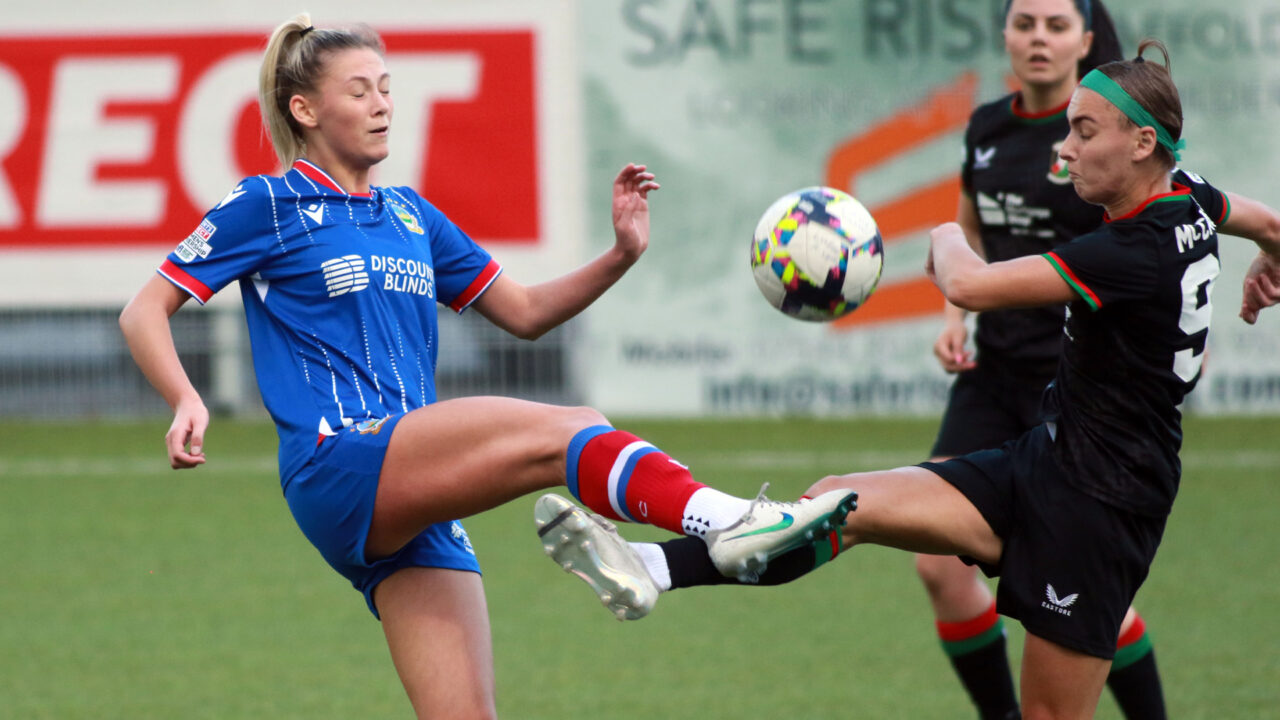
185, 439
631, 209
950, 350
1261, 287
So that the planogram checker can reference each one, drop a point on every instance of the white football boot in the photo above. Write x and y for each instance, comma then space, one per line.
771, 528
590, 547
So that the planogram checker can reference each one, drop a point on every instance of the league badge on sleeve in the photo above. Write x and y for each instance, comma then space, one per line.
197, 243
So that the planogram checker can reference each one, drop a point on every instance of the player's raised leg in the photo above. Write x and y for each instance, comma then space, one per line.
912, 508
456, 458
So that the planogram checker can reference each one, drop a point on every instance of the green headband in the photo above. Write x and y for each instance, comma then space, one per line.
1100, 83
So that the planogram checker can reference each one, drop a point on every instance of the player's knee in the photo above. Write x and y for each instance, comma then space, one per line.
581, 417
827, 484
939, 573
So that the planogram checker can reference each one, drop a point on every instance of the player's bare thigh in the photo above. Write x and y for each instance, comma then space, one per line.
913, 509
437, 629
459, 457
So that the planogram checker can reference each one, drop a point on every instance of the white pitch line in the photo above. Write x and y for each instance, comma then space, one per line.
828, 461
43, 467
853, 461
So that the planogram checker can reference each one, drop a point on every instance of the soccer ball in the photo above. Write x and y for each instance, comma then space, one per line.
817, 254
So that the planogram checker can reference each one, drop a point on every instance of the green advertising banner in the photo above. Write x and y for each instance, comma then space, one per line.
735, 102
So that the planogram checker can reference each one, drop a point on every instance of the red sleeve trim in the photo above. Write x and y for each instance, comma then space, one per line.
182, 279
477, 287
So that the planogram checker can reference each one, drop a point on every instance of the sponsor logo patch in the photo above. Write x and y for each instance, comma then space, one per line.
344, 275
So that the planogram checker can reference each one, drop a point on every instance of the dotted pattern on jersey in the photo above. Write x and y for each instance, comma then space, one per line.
368, 359
275, 219
297, 204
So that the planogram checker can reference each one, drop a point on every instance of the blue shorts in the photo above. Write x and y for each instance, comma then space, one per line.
331, 499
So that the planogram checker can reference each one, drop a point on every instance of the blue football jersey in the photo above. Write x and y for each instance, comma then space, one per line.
340, 293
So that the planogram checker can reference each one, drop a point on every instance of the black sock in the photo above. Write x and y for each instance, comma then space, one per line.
1137, 690
691, 566
985, 674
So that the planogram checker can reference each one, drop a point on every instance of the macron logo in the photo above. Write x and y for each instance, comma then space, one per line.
345, 274
235, 193
316, 213
1057, 604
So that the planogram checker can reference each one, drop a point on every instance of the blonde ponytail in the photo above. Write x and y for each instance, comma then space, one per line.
291, 65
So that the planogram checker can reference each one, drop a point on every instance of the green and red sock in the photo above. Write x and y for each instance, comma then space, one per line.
977, 651
1134, 680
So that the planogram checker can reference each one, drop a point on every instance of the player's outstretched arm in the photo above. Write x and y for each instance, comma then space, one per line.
1257, 222
145, 324
970, 282
528, 311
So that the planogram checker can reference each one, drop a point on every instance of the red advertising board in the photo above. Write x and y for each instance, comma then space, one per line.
126, 140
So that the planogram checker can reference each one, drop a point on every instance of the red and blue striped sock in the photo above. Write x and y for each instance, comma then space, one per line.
625, 478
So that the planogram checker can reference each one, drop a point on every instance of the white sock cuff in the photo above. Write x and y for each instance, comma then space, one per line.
710, 509
655, 561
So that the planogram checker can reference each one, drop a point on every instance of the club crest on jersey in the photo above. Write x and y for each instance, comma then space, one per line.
197, 243
406, 217
369, 427
1058, 171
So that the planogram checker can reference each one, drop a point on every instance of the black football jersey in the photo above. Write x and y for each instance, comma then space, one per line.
1026, 205
1133, 344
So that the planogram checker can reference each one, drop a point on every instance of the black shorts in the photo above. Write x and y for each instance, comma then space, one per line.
988, 407
1071, 563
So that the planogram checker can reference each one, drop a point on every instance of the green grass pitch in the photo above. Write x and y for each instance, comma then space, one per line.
132, 591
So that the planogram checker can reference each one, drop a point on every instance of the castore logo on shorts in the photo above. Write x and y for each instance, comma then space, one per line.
1057, 604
